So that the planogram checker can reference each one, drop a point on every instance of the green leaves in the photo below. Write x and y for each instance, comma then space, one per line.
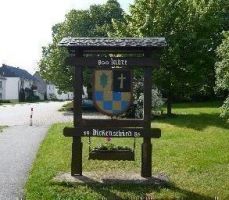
192, 30
94, 22
222, 72
222, 66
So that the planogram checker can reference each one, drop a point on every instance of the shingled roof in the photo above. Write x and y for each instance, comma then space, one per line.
9, 71
108, 43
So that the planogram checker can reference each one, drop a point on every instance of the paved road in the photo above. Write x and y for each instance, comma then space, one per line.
19, 142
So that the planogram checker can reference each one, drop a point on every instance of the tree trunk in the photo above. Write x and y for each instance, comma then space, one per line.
169, 96
169, 102
169, 106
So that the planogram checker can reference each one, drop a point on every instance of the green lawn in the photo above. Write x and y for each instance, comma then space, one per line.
192, 152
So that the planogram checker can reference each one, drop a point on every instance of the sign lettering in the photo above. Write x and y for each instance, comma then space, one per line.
112, 62
111, 133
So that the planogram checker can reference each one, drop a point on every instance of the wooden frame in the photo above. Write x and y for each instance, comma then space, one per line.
137, 128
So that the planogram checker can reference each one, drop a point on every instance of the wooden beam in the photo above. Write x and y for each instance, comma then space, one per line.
112, 122
112, 132
94, 62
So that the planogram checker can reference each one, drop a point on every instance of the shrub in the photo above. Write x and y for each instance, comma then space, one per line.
33, 98
225, 109
4, 101
157, 103
53, 97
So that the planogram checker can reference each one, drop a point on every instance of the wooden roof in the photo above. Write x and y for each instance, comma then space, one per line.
113, 43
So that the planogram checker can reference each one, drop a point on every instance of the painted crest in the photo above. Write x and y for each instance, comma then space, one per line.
112, 93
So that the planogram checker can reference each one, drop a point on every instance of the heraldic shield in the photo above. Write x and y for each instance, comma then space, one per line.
112, 93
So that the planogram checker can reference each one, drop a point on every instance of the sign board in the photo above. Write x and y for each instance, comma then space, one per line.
112, 62
111, 132
112, 91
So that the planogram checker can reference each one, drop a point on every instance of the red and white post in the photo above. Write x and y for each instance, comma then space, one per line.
31, 117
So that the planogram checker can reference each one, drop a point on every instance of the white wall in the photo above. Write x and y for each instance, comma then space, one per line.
12, 88
2, 89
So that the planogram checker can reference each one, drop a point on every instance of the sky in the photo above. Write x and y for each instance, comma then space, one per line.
25, 26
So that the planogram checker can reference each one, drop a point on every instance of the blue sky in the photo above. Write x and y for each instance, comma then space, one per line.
25, 26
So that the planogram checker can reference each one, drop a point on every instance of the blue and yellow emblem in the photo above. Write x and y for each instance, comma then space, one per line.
112, 90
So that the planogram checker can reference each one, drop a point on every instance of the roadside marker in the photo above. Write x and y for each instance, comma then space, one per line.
31, 117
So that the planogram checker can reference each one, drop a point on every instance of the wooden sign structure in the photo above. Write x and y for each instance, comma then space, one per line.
81, 50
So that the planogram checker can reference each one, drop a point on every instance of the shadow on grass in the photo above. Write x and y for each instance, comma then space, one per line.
196, 121
136, 190
208, 104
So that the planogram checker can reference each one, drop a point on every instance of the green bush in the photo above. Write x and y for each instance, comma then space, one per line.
33, 98
225, 109
5, 101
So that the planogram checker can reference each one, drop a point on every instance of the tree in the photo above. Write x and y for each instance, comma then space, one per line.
191, 29
94, 22
222, 72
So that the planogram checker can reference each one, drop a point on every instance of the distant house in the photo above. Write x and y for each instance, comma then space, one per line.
15, 83
2, 87
47, 90
54, 93
41, 86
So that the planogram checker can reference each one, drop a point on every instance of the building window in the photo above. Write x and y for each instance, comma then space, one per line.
0, 84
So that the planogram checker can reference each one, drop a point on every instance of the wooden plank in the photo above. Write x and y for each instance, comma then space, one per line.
112, 62
111, 132
112, 122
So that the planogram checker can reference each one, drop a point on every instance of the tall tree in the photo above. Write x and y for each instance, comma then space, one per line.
94, 22
191, 29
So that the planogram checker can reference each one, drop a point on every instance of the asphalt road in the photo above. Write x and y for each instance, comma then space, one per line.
19, 142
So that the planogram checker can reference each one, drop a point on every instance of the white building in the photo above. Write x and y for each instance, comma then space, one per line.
2, 87
14, 82
17, 84
53, 93
9, 88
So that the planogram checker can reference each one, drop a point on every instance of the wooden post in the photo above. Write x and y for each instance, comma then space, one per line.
146, 168
77, 145
76, 165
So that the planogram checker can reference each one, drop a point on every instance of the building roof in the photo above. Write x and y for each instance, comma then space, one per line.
9, 71
109, 43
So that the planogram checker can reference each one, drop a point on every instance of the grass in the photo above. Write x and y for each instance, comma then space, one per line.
192, 152
67, 107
